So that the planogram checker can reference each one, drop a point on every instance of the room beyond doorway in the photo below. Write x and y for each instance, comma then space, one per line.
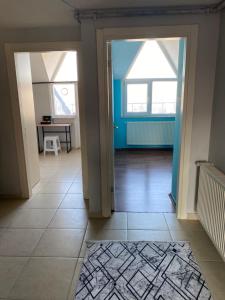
143, 181
147, 92
22, 143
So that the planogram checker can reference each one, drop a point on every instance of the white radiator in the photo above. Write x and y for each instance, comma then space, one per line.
211, 205
150, 133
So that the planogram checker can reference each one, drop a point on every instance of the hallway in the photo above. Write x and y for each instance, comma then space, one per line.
143, 181
43, 239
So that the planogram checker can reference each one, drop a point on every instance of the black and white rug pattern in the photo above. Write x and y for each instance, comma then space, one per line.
124, 270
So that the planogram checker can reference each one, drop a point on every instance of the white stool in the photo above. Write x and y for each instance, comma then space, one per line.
52, 144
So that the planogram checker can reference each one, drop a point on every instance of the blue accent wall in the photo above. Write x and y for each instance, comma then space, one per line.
123, 54
120, 134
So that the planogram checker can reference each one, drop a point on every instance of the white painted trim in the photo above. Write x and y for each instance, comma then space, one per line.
190, 32
22, 157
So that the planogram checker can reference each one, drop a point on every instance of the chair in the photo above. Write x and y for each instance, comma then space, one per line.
52, 144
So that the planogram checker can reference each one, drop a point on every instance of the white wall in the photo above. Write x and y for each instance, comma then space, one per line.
217, 146
25, 93
172, 48
51, 61
38, 70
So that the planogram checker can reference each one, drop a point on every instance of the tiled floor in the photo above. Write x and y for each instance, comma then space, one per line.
42, 241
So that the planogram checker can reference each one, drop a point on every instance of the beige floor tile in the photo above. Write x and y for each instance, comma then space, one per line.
67, 172
40, 185
75, 279
70, 218
73, 201
106, 234
153, 221
202, 246
19, 242
60, 178
55, 188
214, 273
60, 242
44, 278
10, 268
76, 187
118, 220
44, 201
32, 218
148, 235
187, 225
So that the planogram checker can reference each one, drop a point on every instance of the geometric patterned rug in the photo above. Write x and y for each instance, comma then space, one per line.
125, 270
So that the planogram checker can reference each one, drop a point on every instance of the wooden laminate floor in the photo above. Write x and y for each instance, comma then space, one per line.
143, 181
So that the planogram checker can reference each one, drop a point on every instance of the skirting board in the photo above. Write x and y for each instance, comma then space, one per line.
92, 215
8, 197
192, 216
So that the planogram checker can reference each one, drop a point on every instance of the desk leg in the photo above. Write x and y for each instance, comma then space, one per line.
38, 140
67, 149
70, 138
43, 135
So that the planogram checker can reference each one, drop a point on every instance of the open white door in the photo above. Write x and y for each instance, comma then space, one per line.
26, 102
111, 119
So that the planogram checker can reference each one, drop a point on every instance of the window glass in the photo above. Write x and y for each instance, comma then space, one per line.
164, 95
151, 63
64, 99
137, 97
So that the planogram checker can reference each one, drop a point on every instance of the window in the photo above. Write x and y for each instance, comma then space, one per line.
63, 98
137, 98
164, 94
150, 87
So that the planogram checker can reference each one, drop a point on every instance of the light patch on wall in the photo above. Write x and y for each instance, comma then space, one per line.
68, 68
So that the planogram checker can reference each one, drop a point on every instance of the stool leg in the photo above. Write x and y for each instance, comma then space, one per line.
55, 147
44, 147
58, 144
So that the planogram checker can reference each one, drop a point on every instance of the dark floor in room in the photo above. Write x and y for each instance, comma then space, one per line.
143, 180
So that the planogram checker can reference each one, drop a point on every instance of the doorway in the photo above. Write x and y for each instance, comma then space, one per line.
48, 93
148, 79
105, 71
46, 100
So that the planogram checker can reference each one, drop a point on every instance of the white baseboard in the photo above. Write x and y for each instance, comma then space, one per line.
192, 216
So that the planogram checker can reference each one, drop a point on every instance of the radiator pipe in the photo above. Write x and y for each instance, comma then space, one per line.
80, 14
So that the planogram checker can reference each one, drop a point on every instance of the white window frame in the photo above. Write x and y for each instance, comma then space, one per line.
149, 113
55, 116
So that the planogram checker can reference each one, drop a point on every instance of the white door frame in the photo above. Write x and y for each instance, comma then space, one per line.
190, 32
21, 150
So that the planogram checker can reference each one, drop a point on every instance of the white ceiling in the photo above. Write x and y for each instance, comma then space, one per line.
42, 13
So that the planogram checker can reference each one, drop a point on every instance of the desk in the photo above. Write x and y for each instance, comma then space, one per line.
59, 128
